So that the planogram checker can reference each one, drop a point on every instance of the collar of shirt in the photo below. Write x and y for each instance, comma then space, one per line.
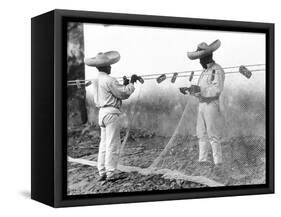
102, 73
209, 65
206, 71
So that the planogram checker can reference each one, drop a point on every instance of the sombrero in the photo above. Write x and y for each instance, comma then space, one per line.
203, 49
103, 59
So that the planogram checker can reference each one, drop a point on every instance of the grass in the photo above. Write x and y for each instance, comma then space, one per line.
161, 109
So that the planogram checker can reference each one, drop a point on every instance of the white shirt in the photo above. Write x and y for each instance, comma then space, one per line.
211, 88
108, 94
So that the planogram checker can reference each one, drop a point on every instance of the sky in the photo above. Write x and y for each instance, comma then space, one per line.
148, 50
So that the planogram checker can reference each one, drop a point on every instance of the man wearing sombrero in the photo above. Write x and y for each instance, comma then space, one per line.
108, 96
211, 83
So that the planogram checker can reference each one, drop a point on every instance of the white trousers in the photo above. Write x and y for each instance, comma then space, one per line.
209, 124
204, 148
109, 144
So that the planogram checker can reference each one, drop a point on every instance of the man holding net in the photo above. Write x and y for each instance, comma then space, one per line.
108, 96
211, 83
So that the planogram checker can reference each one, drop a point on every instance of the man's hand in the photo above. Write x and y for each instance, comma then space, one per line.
193, 90
140, 79
198, 95
183, 90
134, 78
125, 81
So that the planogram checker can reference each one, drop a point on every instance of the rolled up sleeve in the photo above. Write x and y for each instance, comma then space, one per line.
216, 86
121, 91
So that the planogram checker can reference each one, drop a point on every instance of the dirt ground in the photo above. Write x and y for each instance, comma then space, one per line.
245, 157
84, 180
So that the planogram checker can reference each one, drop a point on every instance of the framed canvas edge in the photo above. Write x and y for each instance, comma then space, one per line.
61, 16
42, 108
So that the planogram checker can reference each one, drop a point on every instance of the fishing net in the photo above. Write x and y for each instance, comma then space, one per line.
243, 158
159, 130
243, 144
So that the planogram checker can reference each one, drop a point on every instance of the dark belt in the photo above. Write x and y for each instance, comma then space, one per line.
208, 99
105, 106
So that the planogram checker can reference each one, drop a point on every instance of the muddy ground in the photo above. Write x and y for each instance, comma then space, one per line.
244, 157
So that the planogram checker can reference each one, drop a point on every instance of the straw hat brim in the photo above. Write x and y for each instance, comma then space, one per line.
201, 53
103, 59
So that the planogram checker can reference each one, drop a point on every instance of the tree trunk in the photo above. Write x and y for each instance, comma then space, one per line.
76, 97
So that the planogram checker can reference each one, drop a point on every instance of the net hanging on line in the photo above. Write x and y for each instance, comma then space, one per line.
243, 155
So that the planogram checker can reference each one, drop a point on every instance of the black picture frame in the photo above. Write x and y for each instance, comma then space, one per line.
48, 76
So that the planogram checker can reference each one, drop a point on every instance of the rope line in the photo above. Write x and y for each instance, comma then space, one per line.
197, 70
181, 72
148, 76
74, 82
197, 75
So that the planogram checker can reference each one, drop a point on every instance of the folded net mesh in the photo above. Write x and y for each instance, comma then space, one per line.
243, 157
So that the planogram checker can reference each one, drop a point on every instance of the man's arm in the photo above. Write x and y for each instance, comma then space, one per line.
121, 91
